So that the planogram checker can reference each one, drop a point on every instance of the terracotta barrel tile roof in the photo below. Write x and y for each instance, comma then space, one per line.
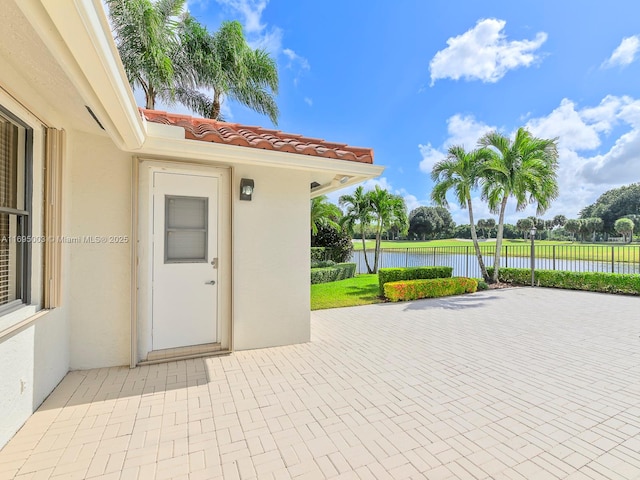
207, 130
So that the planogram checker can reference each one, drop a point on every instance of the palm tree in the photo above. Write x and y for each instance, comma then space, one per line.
224, 63
485, 226
524, 169
592, 225
323, 213
358, 213
146, 33
624, 226
171, 56
559, 221
572, 226
387, 210
524, 225
459, 172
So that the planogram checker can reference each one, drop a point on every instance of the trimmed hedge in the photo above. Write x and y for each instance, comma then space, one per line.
590, 281
323, 264
411, 273
431, 288
339, 271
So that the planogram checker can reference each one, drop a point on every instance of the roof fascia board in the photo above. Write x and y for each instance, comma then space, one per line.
231, 154
77, 34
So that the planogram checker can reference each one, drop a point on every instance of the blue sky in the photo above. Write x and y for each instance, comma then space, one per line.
413, 77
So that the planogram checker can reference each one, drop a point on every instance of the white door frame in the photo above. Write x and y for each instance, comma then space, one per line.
142, 250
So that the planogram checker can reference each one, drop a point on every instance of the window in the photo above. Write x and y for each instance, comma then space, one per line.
15, 205
186, 229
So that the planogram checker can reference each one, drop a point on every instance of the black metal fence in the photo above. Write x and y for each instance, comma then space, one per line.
576, 258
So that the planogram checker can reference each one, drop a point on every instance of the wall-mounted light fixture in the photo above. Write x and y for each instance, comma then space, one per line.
246, 188
345, 179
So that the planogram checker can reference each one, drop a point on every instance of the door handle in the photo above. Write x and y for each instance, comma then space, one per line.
212, 282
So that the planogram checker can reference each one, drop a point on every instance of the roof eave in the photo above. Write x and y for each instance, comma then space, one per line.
237, 155
77, 34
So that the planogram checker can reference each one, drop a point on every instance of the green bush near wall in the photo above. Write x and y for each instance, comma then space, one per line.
323, 264
339, 271
431, 288
589, 281
386, 275
318, 254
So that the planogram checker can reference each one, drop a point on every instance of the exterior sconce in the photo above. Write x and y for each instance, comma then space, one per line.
246, 188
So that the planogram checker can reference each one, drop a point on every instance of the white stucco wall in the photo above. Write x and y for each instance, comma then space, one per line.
271, 241
36, 358
100, 273
33, 363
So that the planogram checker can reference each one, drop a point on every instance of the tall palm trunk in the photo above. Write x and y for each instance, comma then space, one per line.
215, 106
496, 258
150, 101
364, 251
149, 94
476, 245
377, 251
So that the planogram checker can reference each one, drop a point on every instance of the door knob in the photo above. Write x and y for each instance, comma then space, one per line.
212, 282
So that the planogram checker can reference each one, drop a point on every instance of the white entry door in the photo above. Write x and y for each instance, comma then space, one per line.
185, 251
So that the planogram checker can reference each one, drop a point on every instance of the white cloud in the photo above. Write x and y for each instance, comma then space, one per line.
604, 116
624, 54
381, 182
251, 11
308, 101
621, 164
430, 156
271, 41
294, 58
259, 34
297, 63
411, 201
483, 53
581, 178
463, 130
567, 124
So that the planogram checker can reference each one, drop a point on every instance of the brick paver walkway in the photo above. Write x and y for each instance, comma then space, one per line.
517, 383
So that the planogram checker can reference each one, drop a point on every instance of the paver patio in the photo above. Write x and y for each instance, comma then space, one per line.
516, 383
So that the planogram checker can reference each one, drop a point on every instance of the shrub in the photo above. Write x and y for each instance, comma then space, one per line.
590, 281
411, 273
318, 254
482, 285
337, 243
323, 264
339, 271
430, 288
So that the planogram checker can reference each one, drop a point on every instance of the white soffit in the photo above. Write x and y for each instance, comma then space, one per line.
78, 36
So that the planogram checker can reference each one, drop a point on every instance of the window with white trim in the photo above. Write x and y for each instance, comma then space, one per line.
16, 140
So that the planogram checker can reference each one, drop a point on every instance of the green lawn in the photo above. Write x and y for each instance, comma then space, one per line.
360, 290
